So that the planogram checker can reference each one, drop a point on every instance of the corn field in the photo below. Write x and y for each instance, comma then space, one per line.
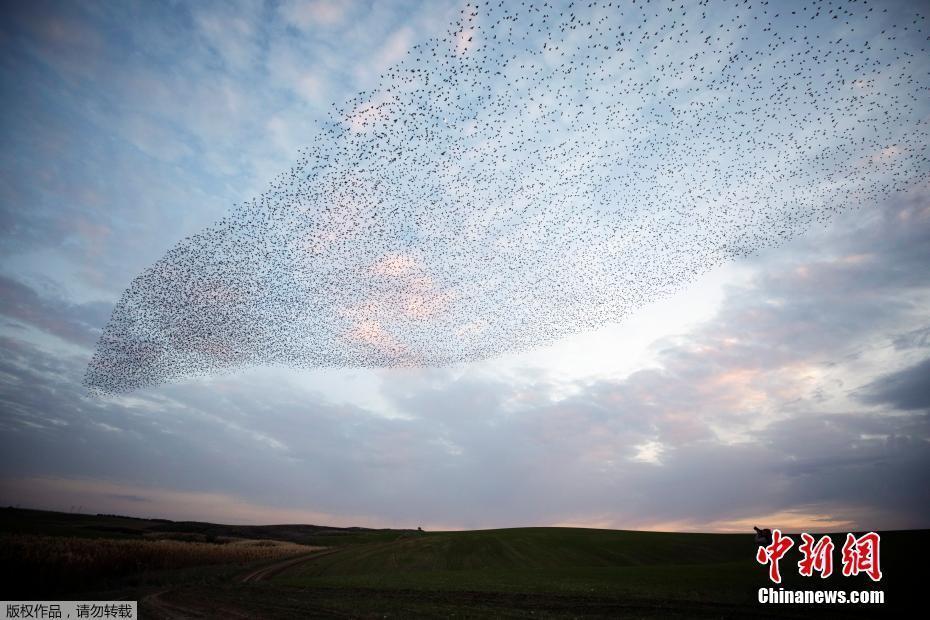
60, 562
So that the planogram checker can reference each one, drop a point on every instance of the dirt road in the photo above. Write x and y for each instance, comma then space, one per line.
270, 571
176, 604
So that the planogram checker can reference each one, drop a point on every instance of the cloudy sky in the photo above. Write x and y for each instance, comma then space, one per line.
790, 388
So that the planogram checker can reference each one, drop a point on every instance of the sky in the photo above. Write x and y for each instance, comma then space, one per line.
789, 388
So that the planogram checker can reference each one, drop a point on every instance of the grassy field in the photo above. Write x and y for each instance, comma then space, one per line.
707, 573
508, 573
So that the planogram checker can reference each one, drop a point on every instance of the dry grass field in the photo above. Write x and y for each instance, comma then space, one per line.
56, 561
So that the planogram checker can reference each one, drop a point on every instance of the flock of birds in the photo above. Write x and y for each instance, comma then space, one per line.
542, 169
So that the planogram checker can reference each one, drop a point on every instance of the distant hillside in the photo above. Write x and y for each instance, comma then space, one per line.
49, 523
536, 548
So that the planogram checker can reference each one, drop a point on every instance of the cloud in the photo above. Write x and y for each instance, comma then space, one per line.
914, 339
394, 49
307, 14
76, 323
907, 389
106, 497
232, 34
755, 415
154, 139
801, 403
469, 452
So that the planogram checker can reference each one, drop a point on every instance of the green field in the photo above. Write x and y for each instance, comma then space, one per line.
514, 573
705, 573
568, 560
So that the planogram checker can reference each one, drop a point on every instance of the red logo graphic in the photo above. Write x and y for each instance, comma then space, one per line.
817, 557
773, 553
860, 555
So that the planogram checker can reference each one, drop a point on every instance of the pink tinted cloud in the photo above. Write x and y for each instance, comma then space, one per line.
94, 495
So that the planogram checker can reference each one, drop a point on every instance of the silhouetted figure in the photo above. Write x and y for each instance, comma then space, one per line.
763, 537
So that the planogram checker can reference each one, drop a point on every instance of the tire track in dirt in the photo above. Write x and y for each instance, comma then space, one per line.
267, 572
156, 605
